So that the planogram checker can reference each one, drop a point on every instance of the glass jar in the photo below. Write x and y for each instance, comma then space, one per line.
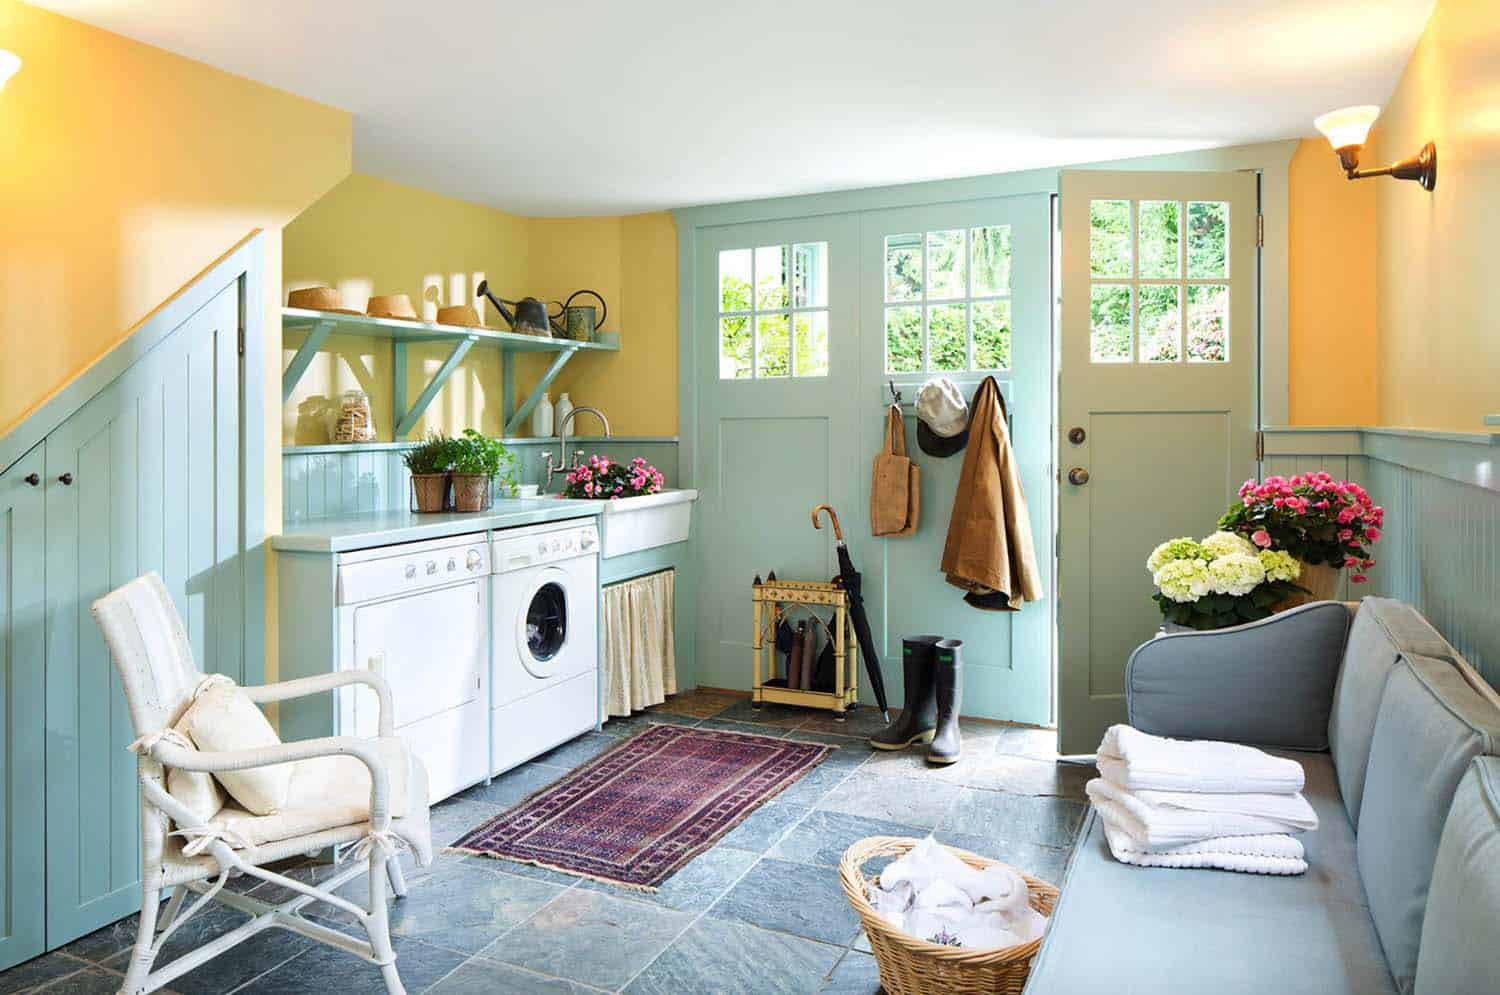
355, 423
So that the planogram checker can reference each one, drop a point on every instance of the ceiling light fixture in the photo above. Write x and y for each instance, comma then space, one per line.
1346, 130
9, 63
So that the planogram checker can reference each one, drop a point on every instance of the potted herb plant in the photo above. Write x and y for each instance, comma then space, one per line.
1220, 581
429, 463
478, 461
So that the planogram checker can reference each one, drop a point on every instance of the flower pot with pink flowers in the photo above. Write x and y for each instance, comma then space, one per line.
1330, 525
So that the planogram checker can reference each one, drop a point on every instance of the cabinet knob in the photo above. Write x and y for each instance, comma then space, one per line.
66, 480
34, 479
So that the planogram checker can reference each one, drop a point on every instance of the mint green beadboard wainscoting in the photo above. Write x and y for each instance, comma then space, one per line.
1441, 546
323, 481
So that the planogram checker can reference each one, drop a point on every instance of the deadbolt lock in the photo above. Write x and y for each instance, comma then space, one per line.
1076, 435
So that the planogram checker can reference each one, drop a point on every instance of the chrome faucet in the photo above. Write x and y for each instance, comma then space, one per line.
561, 465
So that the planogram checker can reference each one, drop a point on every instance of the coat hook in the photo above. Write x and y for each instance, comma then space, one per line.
895, 394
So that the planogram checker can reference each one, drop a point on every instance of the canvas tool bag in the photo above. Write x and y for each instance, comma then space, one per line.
895, 494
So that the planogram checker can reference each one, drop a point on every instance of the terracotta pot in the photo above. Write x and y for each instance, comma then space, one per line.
430, 490
471, 491
1321, 581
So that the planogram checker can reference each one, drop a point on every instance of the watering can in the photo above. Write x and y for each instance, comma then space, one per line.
581, 321
530, 317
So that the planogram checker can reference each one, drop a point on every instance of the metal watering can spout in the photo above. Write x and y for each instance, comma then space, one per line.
483, 290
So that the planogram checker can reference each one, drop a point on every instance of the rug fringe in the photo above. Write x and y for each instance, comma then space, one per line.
649, 889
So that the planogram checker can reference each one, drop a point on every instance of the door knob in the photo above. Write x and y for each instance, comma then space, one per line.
66, 480
33, 479
1078, 476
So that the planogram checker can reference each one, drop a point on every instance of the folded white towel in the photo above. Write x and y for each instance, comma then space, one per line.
1158, 827
1139, 761
1266, 854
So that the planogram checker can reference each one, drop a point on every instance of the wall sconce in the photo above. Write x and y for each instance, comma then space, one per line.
1346, 130
9, 63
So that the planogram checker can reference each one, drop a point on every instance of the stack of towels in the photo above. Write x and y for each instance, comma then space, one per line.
1179, 803
932, 895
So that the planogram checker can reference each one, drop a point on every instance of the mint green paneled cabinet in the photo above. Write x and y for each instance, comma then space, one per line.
144, 476
22, 648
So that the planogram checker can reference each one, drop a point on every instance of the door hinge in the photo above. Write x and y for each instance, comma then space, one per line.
241, 341
1260, 446
1260, 230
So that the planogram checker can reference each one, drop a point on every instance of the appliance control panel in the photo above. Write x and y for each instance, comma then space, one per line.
412, 566
517, 548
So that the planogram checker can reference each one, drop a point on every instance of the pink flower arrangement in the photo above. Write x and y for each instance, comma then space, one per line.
1313, 516
603, 479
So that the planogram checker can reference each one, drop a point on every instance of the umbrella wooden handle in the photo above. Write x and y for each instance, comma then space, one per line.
838, 532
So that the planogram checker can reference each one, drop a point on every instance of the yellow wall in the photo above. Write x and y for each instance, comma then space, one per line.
1439, 342
1332, 357
126, 170
370, 235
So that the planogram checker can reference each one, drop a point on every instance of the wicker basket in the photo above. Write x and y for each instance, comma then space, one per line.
909, 966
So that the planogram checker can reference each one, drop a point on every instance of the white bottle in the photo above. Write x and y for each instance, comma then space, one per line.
541, 417
564, 408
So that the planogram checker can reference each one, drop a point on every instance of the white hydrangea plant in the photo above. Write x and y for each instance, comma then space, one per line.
1220, 580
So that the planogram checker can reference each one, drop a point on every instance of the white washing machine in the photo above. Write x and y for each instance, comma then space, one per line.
418, 614
545, 638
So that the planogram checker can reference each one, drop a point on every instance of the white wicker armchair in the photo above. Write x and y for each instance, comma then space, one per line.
155, 662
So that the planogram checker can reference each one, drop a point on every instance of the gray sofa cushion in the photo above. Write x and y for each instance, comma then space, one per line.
1383, 629
1431, 724
1168, 681
1120, 929
1459, 952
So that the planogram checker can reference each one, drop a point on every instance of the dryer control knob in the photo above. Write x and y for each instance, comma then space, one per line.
411, 570
452, 564
431, 567
586, 543
542, 548
473, 560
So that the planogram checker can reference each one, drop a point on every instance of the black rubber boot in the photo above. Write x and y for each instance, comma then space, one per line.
918, 716
948, 678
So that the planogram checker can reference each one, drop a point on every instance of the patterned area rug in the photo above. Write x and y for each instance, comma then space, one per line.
633, 815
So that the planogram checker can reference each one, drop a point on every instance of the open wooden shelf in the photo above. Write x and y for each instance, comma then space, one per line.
318, 325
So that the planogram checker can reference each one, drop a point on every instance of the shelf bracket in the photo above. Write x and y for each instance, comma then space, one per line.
316, 336
410, 417
519, 418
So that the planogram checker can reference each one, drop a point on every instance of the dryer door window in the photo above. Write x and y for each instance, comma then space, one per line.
547, 622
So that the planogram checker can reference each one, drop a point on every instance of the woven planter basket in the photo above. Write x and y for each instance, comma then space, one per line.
471, 491
429, 491
909, 966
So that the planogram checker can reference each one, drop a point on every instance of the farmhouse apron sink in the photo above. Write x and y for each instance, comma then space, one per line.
632, 524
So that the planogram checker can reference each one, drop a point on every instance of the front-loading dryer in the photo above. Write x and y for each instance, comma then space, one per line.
544, 629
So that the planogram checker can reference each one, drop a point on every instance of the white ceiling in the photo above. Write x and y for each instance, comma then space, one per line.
611, 106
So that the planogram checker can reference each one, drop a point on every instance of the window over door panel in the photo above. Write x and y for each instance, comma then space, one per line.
773, 311
947, 300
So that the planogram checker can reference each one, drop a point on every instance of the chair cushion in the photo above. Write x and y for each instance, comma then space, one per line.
193, 788
1132, 929
1383, 629
223, 718
1459, 953
326, 792
1431, 724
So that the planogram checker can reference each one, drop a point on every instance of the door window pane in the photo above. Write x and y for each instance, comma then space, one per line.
810, 274
992, 335
771, 277
772, 354
903, 267
903, 339
1160, 244
1208, 240
1109, 327
1208, 323
811, 343
989, 260
1109, 238
947, 339
734, 280
734, 347
1160, 321
946, 265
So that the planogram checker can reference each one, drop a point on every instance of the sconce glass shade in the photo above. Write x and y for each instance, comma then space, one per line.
1348, 126
9, 63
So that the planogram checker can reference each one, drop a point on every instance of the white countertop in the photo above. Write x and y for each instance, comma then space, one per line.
342, 533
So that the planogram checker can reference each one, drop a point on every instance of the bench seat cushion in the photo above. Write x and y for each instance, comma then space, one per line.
1120, 929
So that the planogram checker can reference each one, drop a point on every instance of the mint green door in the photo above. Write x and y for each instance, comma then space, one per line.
22, 656
145, 476
777, 374
1157, 385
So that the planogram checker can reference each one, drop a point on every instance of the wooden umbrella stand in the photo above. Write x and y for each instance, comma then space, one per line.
772, 602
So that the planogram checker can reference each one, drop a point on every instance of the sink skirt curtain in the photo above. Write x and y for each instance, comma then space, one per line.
640, 655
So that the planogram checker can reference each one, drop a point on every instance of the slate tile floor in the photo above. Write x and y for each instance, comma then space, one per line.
761, 912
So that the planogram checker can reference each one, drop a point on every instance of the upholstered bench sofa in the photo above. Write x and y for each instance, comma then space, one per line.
1396, 732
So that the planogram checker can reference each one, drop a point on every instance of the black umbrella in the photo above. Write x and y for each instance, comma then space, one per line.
849, 578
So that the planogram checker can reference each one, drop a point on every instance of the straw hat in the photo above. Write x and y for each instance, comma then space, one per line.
319, 299
391, 306
459, 314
